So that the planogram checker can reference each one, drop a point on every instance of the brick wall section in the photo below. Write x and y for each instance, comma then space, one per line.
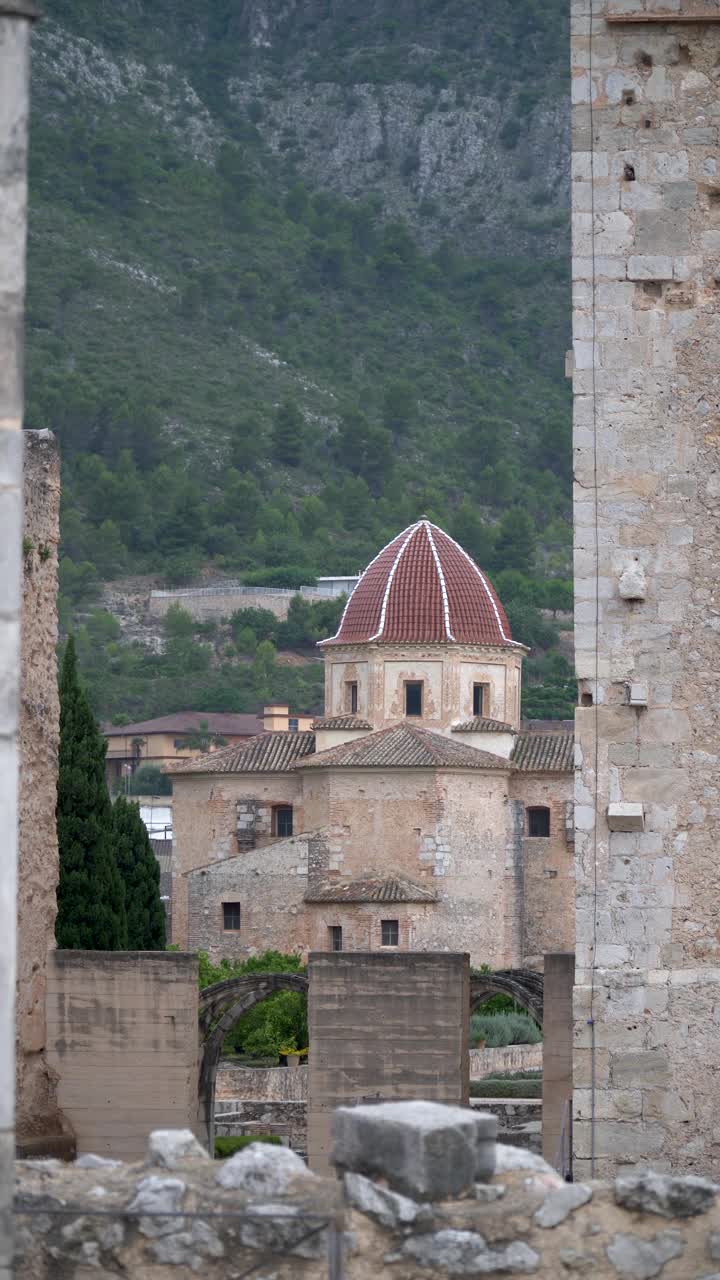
38, 869
647, 539
391, 1026
122, 1035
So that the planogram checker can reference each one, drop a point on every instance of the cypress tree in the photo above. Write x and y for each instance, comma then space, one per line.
90, 895
141, 876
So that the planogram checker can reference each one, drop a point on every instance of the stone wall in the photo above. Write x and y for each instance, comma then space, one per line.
205, 603
122, 1036
511, 1057
242, 1116
391, 1025
14, 86
545, 870
646, 239
39, 732
271, 1084
435, 1198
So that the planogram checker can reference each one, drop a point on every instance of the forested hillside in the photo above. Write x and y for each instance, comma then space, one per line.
298, 273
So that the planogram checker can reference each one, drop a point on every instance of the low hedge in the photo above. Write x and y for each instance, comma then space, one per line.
225, 1147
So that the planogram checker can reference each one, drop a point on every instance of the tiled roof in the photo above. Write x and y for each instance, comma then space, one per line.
341, 722
480, 724
219, 722
371, 890
268, 753
423, 588
404, 746
163, 852
544, 752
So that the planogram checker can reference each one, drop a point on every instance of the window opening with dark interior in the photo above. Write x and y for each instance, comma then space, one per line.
283, 820
389, 933
413, 698
231, 915
538, 821
293, 724
351, 696
480, 699
335, 931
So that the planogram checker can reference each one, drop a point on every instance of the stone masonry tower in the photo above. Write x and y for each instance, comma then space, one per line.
646, 281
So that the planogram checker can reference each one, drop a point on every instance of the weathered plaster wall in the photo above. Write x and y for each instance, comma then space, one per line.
448, 673
205, 824
39, 732
646, 230
122, 1036
389, 1026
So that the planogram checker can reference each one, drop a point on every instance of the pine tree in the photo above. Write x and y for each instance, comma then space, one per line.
141, 876
90, 894
287, 436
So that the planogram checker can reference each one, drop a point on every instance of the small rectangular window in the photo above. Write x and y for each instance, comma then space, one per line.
538, 821
292, 724
283, 820
480, 699
389, 933
351, 696
231, 915
413, 698
335, 932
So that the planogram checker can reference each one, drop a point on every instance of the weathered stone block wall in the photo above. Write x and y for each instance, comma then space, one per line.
39, 733
205, 825
287, 1119
387, 1026
547, 869
272, 1084
268, 883
205, 603
122, 1037
646, 232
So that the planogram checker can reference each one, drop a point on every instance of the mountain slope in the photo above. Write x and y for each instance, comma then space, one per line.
297, 271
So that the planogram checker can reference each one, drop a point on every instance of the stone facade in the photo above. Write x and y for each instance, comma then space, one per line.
646, 231
37, 1110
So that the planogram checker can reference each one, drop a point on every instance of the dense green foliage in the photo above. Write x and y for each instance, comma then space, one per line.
225, 1147
148, 780
248, 373
516, 1085
91, 896
140, 873
496, 1030
276, 1025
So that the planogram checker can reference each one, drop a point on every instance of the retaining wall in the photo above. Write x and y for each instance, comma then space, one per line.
204, 603
513, 1057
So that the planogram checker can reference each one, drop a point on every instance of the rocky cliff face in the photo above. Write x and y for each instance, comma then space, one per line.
453, 116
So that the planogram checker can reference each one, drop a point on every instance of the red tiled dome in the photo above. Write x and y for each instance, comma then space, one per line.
423, 588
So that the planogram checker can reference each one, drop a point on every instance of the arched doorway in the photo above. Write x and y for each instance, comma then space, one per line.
525, 986
220, 1007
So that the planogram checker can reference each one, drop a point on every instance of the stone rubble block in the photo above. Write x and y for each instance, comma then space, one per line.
167, 1147
559, 1204
262, 1170
465, 1253
424, 1150
637, 1259
387, 1207
661, 1193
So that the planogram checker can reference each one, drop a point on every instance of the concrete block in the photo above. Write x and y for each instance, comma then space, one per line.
625, 816
422, 1149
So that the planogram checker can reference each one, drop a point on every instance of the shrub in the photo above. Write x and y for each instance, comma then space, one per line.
225, 1147
149, 780
497, 1088
500, 1029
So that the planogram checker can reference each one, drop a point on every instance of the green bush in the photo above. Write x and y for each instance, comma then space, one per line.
225, 1147
500, 1029
506, 1088
148, 780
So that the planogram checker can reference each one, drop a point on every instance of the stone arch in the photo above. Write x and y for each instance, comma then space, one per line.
220, 1006
523, 985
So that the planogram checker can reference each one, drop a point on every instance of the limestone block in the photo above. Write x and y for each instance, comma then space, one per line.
423, 1149
625, 816
649, 267
167, 1147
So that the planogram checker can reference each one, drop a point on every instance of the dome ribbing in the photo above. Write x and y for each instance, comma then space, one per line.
422, 588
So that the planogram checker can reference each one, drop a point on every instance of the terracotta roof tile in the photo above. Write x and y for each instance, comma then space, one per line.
404, 746
267, 753
481, 724
341, 722
423, 588
544, 752
373, 889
